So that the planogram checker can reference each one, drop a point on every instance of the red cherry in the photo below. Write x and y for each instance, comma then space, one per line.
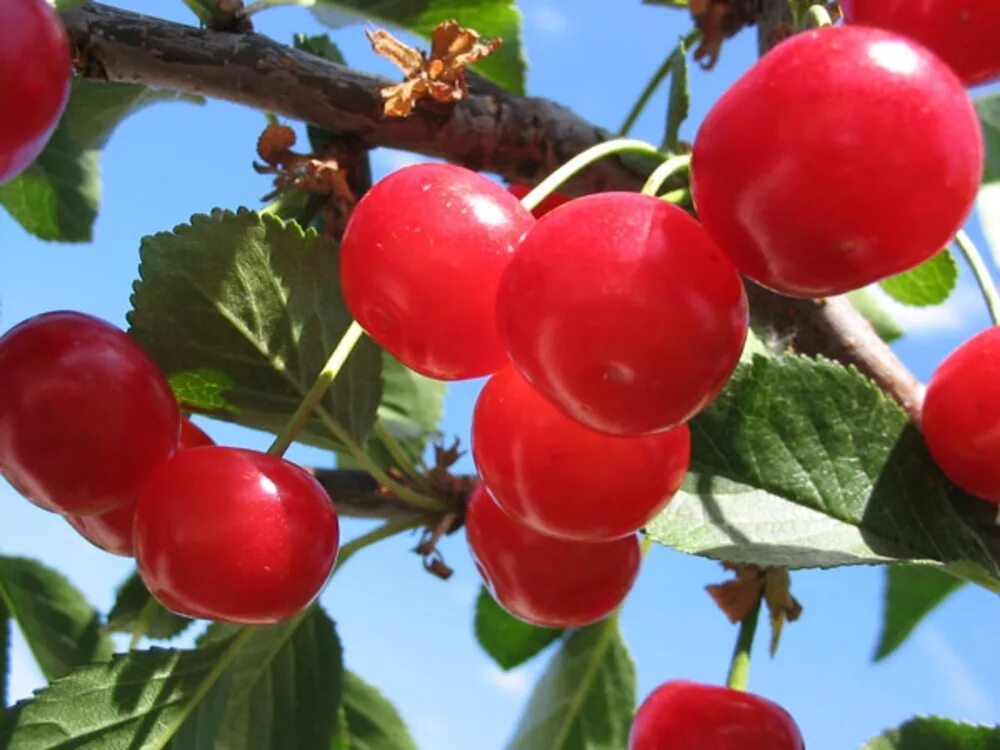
234, 535
961, 415
621, 310
519, 190
112, 531
559, 477
963, 33
804, 175
35, 76
420, 261
684, 715
85, 414
543, 580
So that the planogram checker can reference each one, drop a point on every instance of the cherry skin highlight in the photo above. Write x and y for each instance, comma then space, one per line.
234, 535
620, 309
85, 414
804, 176
35, 76
554, 200
112, 530
961, 415
683, 715
963, 33
561, 478
420, 261
546, 581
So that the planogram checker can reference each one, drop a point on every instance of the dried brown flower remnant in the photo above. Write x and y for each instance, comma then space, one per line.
738, 596
441, 76
325, 176
717, 20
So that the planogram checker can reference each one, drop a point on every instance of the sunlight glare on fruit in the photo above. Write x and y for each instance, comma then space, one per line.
895, 55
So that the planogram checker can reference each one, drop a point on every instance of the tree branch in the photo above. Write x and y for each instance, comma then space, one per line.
358, 495
521, 138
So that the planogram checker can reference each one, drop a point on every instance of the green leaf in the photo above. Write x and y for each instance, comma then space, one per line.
490, 18
4, 653
320, 45
911, 593
372, 722
930, 733
865, 303
805, 463
930, 283
136, 700
678, 97
134, 605
57, 197
586, 697
61, 628
509, 641
412, 404
253, 306
281, 690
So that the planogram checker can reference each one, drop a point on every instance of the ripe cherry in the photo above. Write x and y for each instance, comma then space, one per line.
112, 530
804, 175
963, 33
35, 76
559, 477
961, 415
234, 535
620, 309
420, 261
543, 580
684, 715
85, 414
519, 190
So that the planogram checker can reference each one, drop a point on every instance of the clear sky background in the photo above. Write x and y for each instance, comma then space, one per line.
411, 634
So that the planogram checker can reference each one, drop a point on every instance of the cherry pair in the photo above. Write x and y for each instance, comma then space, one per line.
90, 429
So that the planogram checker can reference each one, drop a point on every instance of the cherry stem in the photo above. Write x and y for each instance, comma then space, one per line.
318, 389
383, 531
739, 667
986, 285
398, 452
654, 83
205, 15
817, 16
664, 172
400, 491
579, 162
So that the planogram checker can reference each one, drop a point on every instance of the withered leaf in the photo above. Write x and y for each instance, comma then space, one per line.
440, 77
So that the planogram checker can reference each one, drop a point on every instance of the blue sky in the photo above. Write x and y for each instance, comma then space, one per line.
405, 631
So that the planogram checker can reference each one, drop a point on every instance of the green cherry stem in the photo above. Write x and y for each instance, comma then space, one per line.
383, 531
205, 16
401, 491
579, 162
397, 452
664, 172
654, 83
986, 285
816, 17
318, 389
739, 667
142, 622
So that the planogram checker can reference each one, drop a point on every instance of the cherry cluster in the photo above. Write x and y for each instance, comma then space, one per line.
90, 429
